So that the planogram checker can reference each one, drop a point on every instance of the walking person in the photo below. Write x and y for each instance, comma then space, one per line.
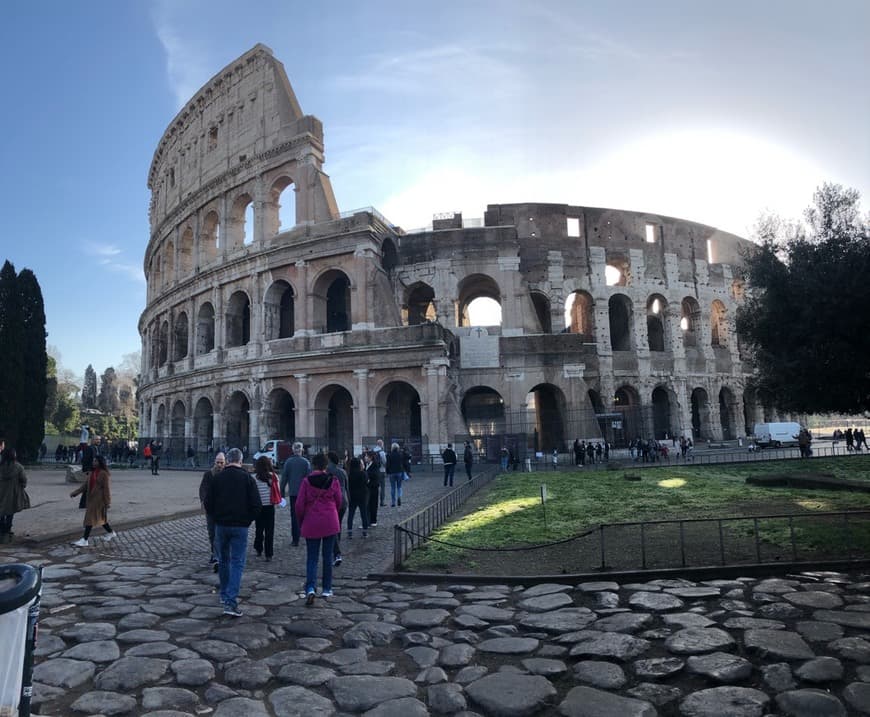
381, 456
448, 456
468, 459
317, 505
270, 496
13, 496
296, 467
395, 470
234, 502
373, 477
98, 501
358, 496
339, 474
204, 487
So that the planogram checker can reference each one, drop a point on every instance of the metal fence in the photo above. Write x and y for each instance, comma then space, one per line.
412, 532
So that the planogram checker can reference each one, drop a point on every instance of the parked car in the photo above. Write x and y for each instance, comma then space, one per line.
278, 450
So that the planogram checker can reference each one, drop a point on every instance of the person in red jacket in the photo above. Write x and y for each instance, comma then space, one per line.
317, 508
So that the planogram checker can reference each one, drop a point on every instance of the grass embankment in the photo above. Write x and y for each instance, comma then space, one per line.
508, 513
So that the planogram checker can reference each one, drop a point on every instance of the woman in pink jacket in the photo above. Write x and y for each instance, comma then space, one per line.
317, 509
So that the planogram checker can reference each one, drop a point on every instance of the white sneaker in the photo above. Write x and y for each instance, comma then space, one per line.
81, 543
110, 536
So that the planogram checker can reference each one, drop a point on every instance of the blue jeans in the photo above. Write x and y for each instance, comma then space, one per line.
395, 487
231, 544
315, 547
449, 469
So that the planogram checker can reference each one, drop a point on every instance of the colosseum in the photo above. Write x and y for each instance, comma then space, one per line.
271, 314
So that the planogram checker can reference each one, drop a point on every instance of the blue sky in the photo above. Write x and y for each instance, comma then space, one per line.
700, 109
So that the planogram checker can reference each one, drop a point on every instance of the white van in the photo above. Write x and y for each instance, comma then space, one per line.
776, 434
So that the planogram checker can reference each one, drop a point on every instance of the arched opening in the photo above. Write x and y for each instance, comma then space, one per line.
726, 413
546, 404
617, 272
163, 344
656, 310
240, 231
169, 264
160, 424
619, 313
750, 411
334, 416
185, 251
579, 313
283, 196
541, 304
483, 411
205, 329
179, 342
278, 311
662, 410
421, 304
248, 224
479, 301
626, 403
203, 425
332, 309
209, 238
700, 415
718, 325
238, 421
238, 319
690, 321
279, 417
401, 417
389, 255
175, 450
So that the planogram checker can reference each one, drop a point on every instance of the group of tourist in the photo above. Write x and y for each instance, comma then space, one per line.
319, 493
590, 453
853, 437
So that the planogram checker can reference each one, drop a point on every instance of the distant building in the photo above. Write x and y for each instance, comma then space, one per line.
270, 314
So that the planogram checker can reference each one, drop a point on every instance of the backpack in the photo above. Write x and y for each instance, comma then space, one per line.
379, 461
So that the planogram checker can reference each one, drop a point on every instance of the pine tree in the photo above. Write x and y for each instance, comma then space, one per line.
11, 355
108, 401
32, 407
89, 389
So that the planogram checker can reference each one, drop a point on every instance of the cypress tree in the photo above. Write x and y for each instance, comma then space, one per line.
34, 377
11, 355
89, 389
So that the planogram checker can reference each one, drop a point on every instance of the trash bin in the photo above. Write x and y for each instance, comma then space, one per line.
20, 589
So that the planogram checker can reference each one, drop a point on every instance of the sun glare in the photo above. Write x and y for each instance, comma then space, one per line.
672, 483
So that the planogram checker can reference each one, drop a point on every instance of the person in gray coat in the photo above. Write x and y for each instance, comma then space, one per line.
296, 467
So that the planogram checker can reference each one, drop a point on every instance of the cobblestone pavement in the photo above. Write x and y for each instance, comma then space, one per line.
130, 630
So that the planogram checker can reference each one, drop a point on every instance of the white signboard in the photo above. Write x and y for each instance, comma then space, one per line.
478, 349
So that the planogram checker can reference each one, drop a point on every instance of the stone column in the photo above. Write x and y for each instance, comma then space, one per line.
304, 411
219, 320
302, 304
191, 334
362, 406
257, 323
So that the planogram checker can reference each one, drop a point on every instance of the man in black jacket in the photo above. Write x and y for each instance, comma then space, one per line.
232, 499
449, 458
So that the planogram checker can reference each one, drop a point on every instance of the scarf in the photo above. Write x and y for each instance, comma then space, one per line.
92, 481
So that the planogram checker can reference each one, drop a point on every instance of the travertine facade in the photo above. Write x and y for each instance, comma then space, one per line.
338, 328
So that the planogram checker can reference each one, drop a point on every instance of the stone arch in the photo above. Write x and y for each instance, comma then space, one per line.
626, 403
278, 418
727, 413
481, 290
656, 323
690, 321
279, 309
203, 424
179, 338
750, 410
237, 420
398, 411
541, 305
666, 412
281, 208
580, 313
420, 304
163, 344
185, 251
205, 328
389, 255
210, 238
160, 423
718, 325
701, 426
169, 263
239, 232
620, 314
333, 413
332, 304
483, 411
617, 271
176, 425
546, 406
238, 319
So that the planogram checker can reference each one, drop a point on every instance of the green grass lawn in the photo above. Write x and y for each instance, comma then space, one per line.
509, 513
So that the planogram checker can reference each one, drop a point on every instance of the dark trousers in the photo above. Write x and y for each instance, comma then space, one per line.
265, 531
209, 526
336, 549
373, 506
468, 470
6, 523
155, 465
87, 534
294, 521
448, 473
363, 506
